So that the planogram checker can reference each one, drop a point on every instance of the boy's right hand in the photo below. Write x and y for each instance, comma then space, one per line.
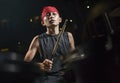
46, 65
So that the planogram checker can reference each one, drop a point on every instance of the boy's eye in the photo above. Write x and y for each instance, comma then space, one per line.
52, 13
48, 14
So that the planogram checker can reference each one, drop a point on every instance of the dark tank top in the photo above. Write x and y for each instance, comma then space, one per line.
47, 43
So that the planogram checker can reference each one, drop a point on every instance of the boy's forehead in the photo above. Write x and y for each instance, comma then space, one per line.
51, 13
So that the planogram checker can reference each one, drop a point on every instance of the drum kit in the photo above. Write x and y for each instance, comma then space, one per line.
14, 70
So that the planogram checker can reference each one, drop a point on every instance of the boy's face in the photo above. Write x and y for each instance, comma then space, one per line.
51, 19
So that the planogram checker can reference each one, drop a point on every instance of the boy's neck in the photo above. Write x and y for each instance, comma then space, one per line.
53, 30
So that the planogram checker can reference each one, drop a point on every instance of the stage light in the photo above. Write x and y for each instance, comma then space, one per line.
31, 20
88, 6
19, 43
4, 49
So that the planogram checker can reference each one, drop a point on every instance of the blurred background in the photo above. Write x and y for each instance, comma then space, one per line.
95, 25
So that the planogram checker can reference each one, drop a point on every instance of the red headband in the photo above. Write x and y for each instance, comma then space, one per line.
48, 9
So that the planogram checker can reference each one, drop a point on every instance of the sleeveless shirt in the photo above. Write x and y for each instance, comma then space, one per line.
47, 43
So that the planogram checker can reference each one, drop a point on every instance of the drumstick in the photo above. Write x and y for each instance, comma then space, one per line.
59, 38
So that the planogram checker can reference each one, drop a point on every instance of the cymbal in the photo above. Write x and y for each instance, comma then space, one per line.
76, 55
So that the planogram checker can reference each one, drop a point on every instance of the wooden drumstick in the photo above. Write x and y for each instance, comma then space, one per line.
59, 38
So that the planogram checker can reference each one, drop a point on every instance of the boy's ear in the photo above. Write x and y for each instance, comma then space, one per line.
42, 23
60, 19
